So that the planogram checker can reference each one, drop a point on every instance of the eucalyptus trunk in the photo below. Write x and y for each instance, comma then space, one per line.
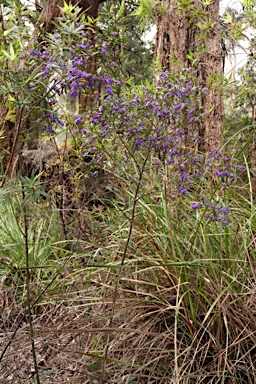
189, 38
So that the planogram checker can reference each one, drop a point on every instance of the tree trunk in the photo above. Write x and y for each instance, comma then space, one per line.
181, 33
51, 10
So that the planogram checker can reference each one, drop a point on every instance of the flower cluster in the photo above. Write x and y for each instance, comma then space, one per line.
214, 213
145, 118
67, 69
146, 121
52, 121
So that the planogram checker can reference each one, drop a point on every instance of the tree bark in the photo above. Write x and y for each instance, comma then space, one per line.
51, 10
179, 35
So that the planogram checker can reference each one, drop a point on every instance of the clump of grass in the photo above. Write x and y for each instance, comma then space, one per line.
44, 244
186, 293
179, 309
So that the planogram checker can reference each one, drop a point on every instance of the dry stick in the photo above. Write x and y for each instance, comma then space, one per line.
32, 306
30, 319
64, 331
10, 341
135, 200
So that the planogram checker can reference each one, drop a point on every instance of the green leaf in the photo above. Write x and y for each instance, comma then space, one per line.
247, 3
35, 73
90, 20
67, 8
206, 2
95, 366
227, 19
11, 56
78, 29
121, 10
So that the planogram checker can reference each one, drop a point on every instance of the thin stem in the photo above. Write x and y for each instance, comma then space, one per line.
62, 203
127, 243
33, 305
30, 319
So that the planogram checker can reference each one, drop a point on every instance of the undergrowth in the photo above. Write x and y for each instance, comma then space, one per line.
138, 265
179, 309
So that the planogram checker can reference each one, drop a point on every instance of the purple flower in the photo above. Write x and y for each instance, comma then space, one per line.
78, 120
225, 172
109, 91
52, 101
46, 68
104, 50
35, 53
223, 210
183, 190
139, 141
223, 220
184, 176
196, 206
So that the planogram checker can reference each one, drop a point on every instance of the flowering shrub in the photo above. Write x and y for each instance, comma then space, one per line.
149, 122
145, 125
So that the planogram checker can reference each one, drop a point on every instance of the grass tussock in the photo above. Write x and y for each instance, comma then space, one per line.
170, 301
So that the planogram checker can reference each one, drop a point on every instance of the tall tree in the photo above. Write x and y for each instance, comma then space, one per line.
189, 35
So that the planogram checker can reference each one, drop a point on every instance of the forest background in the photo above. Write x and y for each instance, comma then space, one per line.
128, 179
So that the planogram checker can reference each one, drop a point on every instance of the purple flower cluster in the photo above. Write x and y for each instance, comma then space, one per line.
214, 213
154, 119
224, 167
70, 63
145, 118
218, 213
141, 121
51, 122
67, 68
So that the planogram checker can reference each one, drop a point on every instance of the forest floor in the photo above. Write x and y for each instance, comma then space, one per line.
62, 340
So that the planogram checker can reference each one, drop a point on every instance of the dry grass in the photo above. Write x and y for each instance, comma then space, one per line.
152, 337
180, 310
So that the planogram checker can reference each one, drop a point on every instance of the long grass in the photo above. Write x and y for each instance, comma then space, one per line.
184, 305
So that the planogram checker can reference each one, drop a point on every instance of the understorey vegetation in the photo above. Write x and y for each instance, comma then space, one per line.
127, 253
